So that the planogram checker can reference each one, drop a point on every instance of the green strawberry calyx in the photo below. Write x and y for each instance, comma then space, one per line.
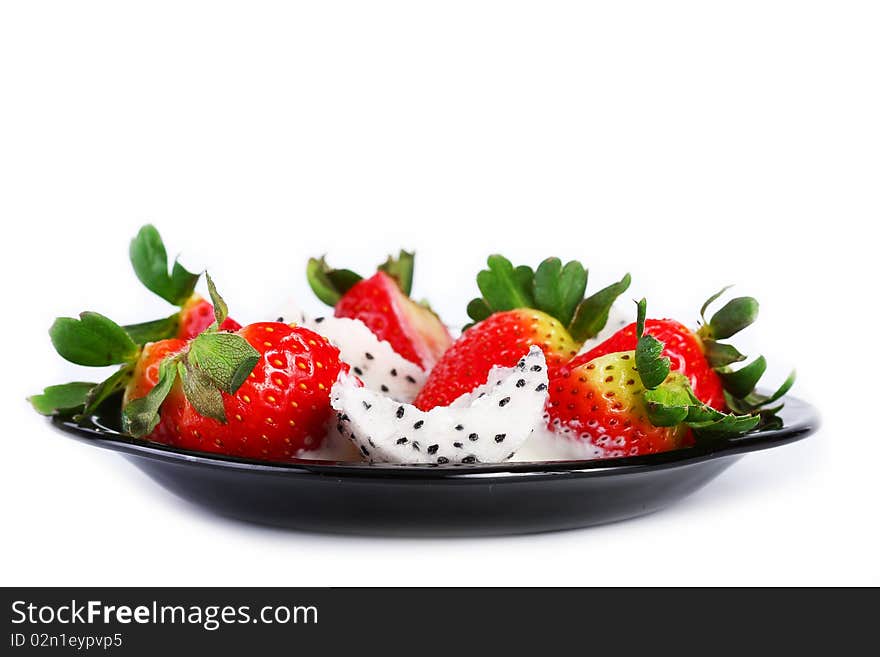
554, 288
739, 384
93, 340
212, 363
671, 401
330, 284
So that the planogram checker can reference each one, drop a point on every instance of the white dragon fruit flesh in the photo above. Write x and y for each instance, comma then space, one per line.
372, 360
487, 425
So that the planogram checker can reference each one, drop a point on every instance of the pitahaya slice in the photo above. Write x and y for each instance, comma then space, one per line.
487, 425
374, 361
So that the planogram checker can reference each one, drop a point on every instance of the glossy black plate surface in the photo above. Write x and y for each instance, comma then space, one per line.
452, 500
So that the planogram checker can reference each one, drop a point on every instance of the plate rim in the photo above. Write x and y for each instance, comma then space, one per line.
803, 425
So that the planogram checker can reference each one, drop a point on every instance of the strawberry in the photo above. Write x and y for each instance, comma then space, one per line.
95, 340
145, 374
149, 260
262, 391
281, 407
683, 347
634, 402
519, 308
501, 339
382, 302
602, 401
696, 354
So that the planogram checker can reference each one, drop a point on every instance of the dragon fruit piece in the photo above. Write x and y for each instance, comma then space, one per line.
487, 425
372, 360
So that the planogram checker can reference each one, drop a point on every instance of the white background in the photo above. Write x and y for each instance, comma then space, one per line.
691, 143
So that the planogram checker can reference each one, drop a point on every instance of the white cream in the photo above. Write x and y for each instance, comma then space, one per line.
547, 445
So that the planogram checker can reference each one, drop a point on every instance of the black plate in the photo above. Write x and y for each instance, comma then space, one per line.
505, 498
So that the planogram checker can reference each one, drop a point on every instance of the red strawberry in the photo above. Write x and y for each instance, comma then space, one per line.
382, 303
602, 401
519, 308
260, 392
501, 339
635, 402
281, 407
145, 375
683, 347
196, 315
696, 354
412, 330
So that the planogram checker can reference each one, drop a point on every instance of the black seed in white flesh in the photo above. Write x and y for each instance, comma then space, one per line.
494, 419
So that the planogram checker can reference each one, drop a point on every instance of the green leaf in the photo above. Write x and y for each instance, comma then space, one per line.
669, 404
558, 290
711, 300
719, 354
554, 289
592, 313
653, 369
726, 427
502, 286
221, 310
700, 413
67, 397
739, 385
401, 270
525, 278
674, 403
572, 286
641, 317
115, 383
201, 392
548, 296
783, 389
738, 406
652, 366
770, 421
741, 382
343, 279
225, 358
477, 310
140, 416
159, 329
329, 284
92, 340
756, 400
150, 262
733, 317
